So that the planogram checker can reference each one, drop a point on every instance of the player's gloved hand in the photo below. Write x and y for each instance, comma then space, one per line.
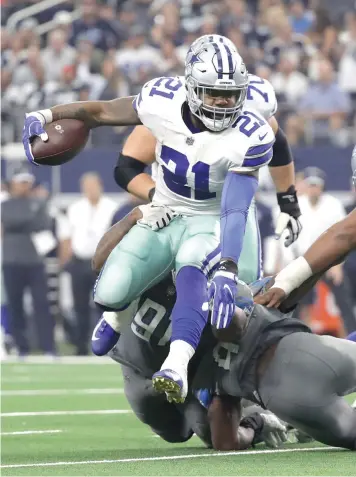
221, 294
33, 127
274, 432
156, 216
288, 218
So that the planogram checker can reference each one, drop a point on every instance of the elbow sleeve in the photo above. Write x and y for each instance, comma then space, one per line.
126, 169
282, 154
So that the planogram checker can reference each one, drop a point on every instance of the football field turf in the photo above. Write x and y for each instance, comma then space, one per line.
73, 419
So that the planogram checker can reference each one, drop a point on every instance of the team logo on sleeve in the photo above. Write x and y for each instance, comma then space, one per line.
190, 141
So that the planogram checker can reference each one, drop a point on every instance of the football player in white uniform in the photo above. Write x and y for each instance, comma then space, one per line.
139, 152
209, 149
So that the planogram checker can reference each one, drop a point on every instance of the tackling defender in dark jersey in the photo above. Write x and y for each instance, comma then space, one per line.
273, 360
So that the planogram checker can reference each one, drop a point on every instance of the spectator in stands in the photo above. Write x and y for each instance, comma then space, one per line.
89, 218
171, 64
114, 85
130, 16
323, 33
100, 32
29, 70
63, 21
27, 31
285, 41
209, 25
347, 66
236, 15
325, 106
289, 83
89, 58
300, 18
170, 20
320, 211
26, 229
4, 45
138, 60
57, 55
68, 89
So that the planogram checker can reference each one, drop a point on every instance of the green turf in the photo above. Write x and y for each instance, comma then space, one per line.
121, 436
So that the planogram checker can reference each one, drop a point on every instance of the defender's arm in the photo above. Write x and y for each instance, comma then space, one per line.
328, 250
112, 237
228, 431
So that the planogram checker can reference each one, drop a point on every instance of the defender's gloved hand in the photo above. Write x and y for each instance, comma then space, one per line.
274, 432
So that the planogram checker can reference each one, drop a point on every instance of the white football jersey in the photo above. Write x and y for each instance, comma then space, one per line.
261, 96
192, 166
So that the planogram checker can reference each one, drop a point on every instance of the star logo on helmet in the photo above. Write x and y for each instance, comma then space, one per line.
194, 59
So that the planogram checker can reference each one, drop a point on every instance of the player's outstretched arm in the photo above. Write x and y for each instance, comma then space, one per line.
118, 112
328, 250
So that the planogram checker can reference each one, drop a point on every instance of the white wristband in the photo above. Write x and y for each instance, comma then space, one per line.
47, 114
293, 275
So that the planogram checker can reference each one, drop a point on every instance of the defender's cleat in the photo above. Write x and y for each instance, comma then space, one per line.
170, 382
104, 337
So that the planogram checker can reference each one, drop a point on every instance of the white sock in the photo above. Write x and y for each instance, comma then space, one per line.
180, 353
112, 317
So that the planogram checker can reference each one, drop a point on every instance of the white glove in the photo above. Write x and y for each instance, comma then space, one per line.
156, 216
274, 432
289, 223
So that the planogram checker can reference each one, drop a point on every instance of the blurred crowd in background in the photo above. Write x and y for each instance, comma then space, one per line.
104, 49
305, 48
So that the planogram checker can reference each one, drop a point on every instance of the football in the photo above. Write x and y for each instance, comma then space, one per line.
66, 138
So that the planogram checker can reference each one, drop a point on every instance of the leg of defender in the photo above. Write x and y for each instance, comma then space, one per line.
304, 384
165, 419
